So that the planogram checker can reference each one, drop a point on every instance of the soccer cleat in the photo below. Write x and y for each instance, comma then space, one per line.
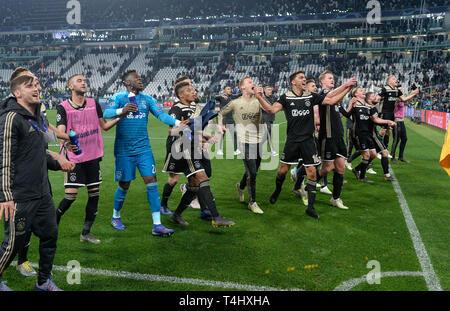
253, 206
348, 165
195, 204
117, 224
274, 196
390, 157
165, 210
206, 214
394, 161
356, 173
4, 288
326, 190
403, 160
220, 221
237, 152
274, 154
302, 195
26, 269
177, 219
89, 238
379, 156
219, 152
160, 230
294, 174
389, 178
371, 171
338, 203
366, 180
312, 213
48, 286
240, 192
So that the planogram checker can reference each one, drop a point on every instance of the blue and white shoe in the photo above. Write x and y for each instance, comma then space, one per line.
165, 210
160, 230
206, 214
4, 288
117, 224
48, 286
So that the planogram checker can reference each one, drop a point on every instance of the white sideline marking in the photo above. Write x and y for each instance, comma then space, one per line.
348, 285
171, 279
430, 276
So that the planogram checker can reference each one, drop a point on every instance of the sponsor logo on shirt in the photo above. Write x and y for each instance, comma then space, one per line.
300, 113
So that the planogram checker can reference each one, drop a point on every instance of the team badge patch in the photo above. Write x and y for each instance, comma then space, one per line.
73, 177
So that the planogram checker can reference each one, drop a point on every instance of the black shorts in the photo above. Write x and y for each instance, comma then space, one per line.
363, 142
332, 148
387, 116
85, 174
378, 143
186, 165
295, 151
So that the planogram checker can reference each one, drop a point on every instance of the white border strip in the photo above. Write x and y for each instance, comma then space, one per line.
430, 276
348, 285
171, 279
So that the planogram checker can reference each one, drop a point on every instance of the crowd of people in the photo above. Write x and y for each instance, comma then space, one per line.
21, 12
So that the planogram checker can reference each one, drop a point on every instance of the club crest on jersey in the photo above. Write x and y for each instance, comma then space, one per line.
73, 177
307, 103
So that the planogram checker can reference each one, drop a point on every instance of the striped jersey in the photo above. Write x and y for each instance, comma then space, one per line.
131, 131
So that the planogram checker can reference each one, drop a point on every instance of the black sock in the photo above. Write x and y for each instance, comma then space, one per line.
338, 181
186, 199
205, 194
386, 140
299, 182
167, 191
202, 203
311, 189
324, 181
91, 211
279, 180
243, 182
64, 205
385, 164
363, 168
354, 156
319, 177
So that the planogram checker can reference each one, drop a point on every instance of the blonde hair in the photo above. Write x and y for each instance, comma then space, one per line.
354, 90
242, 81
323, 74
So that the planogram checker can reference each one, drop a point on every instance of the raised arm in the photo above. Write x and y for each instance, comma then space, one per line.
270, 109
410, 96
338, 94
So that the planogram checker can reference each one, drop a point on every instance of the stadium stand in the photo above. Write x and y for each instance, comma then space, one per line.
218, 55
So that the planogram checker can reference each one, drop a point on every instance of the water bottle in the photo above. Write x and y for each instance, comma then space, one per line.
74, 141
132, 99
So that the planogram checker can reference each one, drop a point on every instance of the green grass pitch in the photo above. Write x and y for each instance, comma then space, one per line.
283, 248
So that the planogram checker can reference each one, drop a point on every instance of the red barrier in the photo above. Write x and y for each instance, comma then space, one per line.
436, 118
